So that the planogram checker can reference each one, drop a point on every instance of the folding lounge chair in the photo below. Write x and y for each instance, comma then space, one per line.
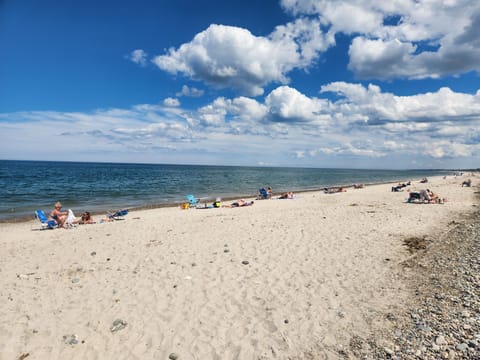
46, 224
193, 201
262, 194
117, 215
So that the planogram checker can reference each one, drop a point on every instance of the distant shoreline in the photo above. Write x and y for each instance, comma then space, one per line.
203, 200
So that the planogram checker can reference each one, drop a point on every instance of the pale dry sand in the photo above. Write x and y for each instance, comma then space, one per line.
322, 269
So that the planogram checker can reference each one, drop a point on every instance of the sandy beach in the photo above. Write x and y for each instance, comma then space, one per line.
282, 279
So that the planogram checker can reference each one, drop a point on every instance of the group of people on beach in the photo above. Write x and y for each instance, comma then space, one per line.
64, 218
268, 194
424, 196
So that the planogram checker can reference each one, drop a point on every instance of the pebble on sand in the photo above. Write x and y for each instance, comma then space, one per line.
70, 339
117, 325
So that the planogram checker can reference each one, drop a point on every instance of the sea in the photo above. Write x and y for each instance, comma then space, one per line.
26, 186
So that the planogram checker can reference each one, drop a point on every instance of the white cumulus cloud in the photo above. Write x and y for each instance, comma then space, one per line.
138, 57
228, 56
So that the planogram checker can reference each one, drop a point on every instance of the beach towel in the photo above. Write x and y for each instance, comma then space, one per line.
70, 219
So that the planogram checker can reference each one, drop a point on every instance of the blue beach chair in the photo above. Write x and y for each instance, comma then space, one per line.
262, 194
46, 224
193, 201
117, 215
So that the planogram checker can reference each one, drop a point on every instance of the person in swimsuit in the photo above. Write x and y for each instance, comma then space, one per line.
58, 215
239, 203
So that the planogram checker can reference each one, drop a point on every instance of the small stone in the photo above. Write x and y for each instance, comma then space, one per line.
173, 356
245, 262
388, 351
194, 264
472, 344
435, 347
70, 339
75, 280
440, 340
391, 317
117, 325
462, 347
226, 251
93, 253
285, 321
108, 259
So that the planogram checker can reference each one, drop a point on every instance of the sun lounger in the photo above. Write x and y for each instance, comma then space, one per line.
117, 215
46, 224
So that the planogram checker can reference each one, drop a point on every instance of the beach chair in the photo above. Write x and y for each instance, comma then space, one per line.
262, 194
46, 224
193, 201
117, 215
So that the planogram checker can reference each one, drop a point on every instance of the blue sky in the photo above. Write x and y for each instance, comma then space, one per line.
367, 84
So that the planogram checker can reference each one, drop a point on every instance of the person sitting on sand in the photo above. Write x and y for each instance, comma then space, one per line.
239, 203
434, 198
288, 195
467, 183
269, 192
57, 215
425, 196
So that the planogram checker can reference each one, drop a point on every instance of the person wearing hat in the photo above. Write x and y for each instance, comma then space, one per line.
58, 215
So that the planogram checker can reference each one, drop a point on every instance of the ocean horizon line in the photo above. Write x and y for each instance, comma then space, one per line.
242, 166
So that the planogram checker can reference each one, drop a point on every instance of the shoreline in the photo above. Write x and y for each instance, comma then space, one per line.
23, 219
320, 276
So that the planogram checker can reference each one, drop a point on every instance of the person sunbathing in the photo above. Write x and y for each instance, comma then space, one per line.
239, 203
86, 218
57, 215
288, 195
334, 190
400, 186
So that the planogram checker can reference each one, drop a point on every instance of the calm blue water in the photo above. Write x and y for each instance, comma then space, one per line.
29, 185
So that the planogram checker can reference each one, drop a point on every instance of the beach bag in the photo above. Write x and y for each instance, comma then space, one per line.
185, 206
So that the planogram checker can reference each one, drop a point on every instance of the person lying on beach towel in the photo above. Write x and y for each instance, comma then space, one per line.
334, 190
288, 195
216, 204
239, 203
86, 218
400, 186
